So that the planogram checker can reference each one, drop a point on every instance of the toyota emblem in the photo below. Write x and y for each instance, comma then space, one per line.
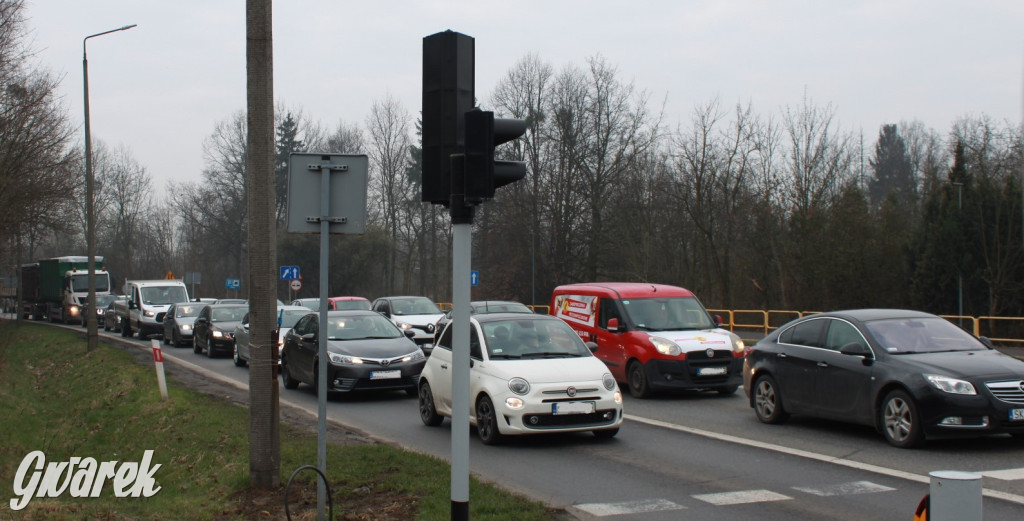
385, 363
1022, 385
571, 391
710, 352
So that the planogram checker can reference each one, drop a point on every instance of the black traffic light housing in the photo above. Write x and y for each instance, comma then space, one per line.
483, 173
448, 81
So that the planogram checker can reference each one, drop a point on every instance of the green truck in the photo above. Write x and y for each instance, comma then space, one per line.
57, 288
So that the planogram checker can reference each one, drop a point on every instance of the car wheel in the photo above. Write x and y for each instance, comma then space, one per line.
175, 338
606, 434
239, 362
487, 422
195, 346
166, 339
768, 400
726, 390
209, 348
899, 420
286, 376
637, 380
125, 330
427, 411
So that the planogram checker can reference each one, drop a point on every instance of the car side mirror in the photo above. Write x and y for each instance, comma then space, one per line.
855, 349
613, 324
592, 346
718, 320
987, 341
410, 334
309, 337
245, 326
132, 305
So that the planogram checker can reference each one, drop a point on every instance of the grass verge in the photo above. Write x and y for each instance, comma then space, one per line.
58, 398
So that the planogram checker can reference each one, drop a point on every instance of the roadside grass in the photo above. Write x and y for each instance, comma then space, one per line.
58, 398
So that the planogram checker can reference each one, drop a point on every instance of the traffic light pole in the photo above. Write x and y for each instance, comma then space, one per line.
462, 241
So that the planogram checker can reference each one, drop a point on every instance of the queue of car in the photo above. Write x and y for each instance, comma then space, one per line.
913, 376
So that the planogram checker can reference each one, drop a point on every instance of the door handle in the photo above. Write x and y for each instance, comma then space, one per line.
781, 355
822, 364
444, 366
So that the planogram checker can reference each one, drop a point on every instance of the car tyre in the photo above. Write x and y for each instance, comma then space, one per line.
195, 346
209, 348
487, 422
286, 376
768, 403
126, 331
637, 382
899, 420
238, 360
428, 413
606, 434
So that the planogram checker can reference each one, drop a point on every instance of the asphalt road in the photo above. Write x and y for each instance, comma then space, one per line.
685, 456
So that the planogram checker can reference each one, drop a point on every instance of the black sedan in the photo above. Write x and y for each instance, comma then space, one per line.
909, 374
214, 329
365, 350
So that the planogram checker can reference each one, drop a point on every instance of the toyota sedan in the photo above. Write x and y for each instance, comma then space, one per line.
529, 374
911, 375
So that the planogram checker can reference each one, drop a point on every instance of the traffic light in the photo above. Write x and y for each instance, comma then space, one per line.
448, 72
483, 173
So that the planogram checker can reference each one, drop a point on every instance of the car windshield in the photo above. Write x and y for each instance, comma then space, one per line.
289, 317
922, 335
500, 307
232, 314
361, 327
517, 339
163, 294
80, 283
414, 306
360, 305
667, 314
187, 311
104, 300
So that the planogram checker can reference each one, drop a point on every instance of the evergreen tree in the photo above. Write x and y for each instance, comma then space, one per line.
893, 172
287, 143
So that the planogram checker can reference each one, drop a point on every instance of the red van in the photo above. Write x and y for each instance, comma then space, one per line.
652, 336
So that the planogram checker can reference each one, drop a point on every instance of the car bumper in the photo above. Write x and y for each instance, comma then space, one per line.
346, 378
947, 415
694, 374
538, 413
225, 343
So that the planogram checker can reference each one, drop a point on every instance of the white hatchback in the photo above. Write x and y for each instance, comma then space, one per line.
529, 374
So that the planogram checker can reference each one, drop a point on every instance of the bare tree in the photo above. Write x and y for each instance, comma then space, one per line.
391, 189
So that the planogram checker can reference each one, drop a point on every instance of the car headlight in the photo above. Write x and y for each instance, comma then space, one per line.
665, 347
414, 357
951, 385
186, 327
217, 334
339, 358
519, 386
738, 346
609, 381
73, 310
403, 325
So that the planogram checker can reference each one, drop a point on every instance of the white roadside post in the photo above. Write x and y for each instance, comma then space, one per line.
954, 496
158, 360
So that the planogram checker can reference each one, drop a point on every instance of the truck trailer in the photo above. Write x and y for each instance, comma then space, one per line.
56, 288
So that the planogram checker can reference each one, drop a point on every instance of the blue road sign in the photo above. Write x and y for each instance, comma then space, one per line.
289, 272
232, 283
474, 278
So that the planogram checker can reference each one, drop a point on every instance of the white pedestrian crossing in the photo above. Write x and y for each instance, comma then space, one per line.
741, 497
846, 489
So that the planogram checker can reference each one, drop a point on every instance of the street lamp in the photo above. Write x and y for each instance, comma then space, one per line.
960, 269
90, 220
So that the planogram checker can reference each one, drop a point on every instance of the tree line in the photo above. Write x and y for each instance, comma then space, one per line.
750, 210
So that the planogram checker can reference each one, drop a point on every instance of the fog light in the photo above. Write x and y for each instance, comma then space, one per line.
514, 402
668, 377
952, 420
533, 420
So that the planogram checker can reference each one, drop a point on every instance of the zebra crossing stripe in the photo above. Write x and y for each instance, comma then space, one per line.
628, 507
844, 489
740, 497
1005, 475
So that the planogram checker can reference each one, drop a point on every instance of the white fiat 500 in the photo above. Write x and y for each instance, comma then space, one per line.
529, 374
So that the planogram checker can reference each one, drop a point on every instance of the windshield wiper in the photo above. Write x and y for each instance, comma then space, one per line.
552, 354
504, 356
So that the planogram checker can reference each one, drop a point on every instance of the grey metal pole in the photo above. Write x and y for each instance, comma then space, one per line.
90, 219
462, 237
322, 360
954, 496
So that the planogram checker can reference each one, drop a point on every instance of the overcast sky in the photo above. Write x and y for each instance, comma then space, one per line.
160, 88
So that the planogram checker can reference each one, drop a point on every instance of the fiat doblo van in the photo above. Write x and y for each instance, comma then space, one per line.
652, 336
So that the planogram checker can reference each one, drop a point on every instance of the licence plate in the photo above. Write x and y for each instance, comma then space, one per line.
573, 407
1016, 414
712, 371
385, 375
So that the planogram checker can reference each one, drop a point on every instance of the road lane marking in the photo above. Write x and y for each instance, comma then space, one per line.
845, 489
1005, 475
740, 497
866, 467
628, 507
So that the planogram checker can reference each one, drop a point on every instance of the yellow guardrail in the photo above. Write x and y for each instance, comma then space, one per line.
997, 329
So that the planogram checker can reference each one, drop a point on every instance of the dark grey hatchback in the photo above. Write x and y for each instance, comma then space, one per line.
911, 375
365, 351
